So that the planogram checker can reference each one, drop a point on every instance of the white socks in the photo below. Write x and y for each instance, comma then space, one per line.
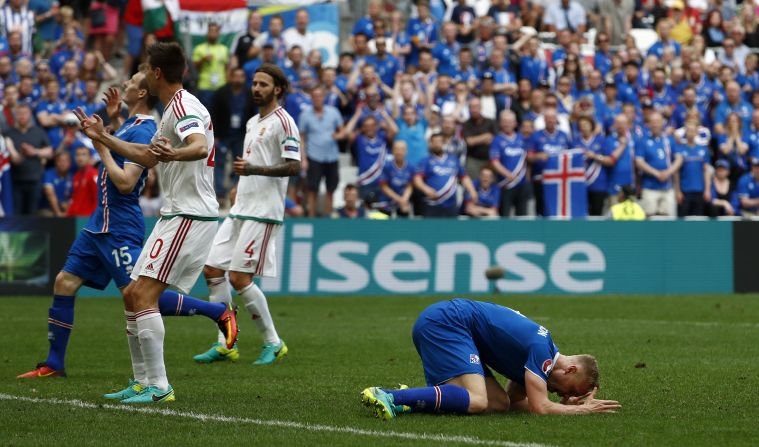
255, 302
219, 293
138, 363
151, 332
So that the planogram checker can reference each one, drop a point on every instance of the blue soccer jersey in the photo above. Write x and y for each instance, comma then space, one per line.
396, 177
465, 337
748, 187
596, 174
447, 57
372, 154
623, 171
511, 153
116, 212
549, 143
442, 174
692, 171
657, 152
488, 198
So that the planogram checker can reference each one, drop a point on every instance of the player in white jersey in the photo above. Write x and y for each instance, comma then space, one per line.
244, 245
176, 250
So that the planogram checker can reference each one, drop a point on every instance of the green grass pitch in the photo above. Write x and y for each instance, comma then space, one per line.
699, 385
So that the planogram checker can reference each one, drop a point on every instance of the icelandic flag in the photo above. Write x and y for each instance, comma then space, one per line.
6, 191
565, 192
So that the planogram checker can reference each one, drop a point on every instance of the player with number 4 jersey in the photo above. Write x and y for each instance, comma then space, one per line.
245, 243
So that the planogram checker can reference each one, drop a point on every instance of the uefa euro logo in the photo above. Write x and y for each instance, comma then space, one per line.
474, 359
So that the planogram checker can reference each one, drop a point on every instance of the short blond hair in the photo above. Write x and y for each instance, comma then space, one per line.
589, 367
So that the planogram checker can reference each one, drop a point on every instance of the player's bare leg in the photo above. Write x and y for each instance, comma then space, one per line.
255, 302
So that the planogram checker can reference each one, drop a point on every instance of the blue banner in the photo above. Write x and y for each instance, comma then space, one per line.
365, 257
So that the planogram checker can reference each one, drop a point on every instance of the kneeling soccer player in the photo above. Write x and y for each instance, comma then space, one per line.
460, 340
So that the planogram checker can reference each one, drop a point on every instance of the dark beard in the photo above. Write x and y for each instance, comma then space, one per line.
263, 100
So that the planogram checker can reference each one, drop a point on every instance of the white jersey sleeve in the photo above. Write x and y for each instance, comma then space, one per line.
289, 145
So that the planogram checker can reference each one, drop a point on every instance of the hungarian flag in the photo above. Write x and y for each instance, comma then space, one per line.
157, 14
193, 17
565, 192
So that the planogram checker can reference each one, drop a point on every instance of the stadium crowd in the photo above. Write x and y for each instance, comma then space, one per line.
455, 107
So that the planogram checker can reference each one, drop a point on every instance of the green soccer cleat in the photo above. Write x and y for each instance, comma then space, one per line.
131, 390
380, 401
218, 353
272, 353
151, 395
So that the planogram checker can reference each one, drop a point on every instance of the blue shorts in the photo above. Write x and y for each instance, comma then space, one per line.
134, 40
100, 258
445, 344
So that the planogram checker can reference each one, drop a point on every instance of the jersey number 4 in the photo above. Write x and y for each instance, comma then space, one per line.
212, 157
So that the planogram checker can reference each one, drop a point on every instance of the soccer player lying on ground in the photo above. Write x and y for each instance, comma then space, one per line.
112, 239
183, 152
244, 246
460, 340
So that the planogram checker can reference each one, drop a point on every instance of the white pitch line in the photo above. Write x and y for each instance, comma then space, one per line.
470, 440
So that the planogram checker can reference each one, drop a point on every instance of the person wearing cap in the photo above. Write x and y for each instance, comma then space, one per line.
693, 184
657, 163
724, 200
748, 191
611, 106
681, 30
627, 208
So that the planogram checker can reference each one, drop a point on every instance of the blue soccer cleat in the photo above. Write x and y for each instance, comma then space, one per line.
382, 402
151, 395
218, 353
134, 388
271, 353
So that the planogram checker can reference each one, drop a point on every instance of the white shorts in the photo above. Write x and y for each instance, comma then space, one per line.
176, 251
243, 245
659, 202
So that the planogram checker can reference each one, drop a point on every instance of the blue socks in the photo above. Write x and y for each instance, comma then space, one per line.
172, 303
443, 398
60, 321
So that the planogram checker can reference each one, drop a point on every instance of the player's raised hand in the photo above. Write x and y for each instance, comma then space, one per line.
112, 101
92, 126
241, 166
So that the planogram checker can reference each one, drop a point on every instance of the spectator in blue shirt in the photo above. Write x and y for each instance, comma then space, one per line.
446, 52
320, 128
366, 23
664, 27
602, 58
704, 86
57, 185
508, 157
734, 147
621, 145
693, 186
437, 177
627, 90
532, 66
422, 30
488, 196
396, 182
748, 191
385, 64
543, 144
657, 164
663, 97
596, 172
733, 103
353, 209
50, 111
688, 102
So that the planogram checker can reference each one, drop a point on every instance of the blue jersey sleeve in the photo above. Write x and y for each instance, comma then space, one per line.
495, 152
540, 360
48, 177
742, 188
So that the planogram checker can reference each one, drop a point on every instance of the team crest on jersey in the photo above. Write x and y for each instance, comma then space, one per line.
474, 359
189, 126
547, 366
262, 131
543, 331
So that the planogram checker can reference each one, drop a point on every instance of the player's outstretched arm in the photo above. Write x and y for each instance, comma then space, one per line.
93, 127
287, 168
124, 178
196, 148
538, 402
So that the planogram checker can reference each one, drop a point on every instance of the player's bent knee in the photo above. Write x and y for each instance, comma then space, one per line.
212, 272
477, 404
240, 280
66, 283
